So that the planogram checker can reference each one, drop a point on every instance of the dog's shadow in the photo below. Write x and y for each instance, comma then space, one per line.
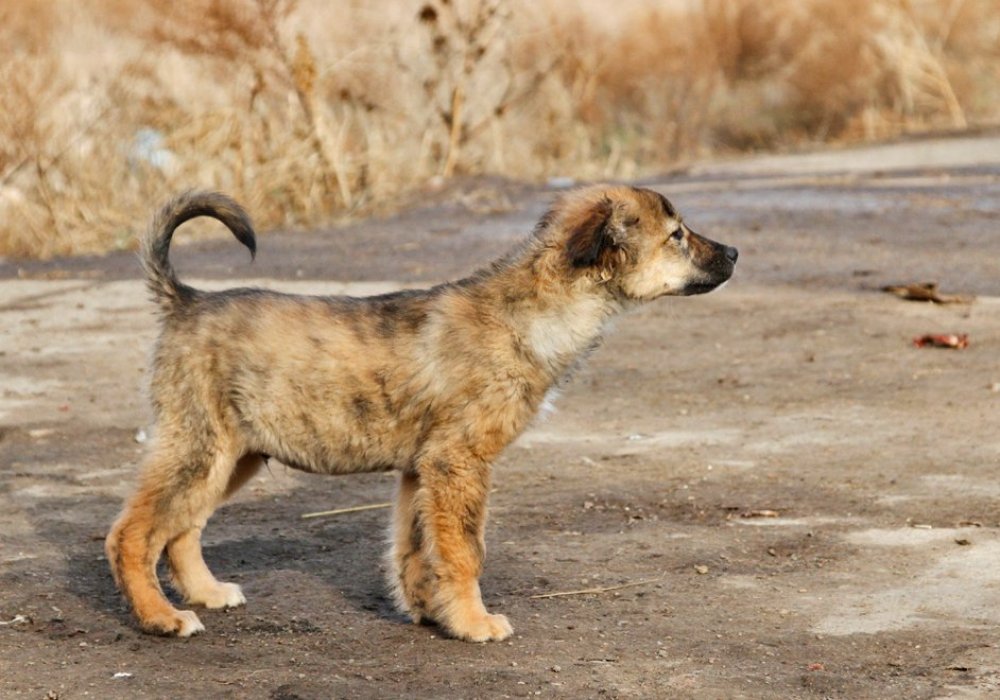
343, 554
336, 562
74, 527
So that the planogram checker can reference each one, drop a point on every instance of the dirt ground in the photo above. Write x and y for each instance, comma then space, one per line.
795, 500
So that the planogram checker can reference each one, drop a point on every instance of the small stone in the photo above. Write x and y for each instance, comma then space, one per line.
701, 569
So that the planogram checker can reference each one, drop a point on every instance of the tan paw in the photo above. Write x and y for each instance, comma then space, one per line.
181, 623
189, 624
416, 611
411, 604
222, 595
487, 628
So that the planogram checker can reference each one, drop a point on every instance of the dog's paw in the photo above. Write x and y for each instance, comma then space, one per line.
221, 595
189, 624
417, 616
181, 623
487, 628
411, 601
415, 610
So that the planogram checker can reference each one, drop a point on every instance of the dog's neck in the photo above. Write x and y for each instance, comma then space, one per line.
557, 320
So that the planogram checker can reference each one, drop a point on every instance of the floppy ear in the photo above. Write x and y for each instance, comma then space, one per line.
591, 236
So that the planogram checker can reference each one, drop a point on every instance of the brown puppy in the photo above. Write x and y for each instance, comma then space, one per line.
432, 383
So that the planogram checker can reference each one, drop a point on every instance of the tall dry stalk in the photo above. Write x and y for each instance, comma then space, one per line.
465, 69
250, 32
916, 65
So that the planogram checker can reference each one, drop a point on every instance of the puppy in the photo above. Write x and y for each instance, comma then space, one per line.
432, 383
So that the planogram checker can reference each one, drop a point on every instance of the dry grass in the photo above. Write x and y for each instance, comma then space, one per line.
311, 110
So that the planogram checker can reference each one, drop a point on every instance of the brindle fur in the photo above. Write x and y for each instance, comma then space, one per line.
432, 383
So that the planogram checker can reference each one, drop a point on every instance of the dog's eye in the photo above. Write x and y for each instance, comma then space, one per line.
677, 235
632, 222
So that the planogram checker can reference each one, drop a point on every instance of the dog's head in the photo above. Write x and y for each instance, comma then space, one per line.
635, 243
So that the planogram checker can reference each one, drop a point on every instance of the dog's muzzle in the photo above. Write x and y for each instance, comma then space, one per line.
717, 272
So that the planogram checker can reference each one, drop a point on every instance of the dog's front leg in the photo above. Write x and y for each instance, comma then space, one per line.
410, 576
451, 502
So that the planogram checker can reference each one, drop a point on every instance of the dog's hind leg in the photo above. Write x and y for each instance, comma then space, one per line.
178, 491
192, 577
134, 546
409, 574
189, 572
451, 500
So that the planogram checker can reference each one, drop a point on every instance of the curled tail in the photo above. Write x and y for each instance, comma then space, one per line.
168, 291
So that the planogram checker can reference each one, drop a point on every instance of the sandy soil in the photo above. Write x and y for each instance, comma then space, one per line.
797, 502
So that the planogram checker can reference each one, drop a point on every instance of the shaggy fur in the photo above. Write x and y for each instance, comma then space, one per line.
432, 383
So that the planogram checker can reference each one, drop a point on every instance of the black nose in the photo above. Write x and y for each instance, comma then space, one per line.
732, 253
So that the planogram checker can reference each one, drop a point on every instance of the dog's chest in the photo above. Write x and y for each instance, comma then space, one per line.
558, 336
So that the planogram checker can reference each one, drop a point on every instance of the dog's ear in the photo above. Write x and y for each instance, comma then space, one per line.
591, 235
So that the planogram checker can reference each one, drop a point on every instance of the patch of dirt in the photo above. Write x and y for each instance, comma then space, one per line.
808, 501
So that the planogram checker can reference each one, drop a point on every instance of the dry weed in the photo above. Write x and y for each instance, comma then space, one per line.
309, 110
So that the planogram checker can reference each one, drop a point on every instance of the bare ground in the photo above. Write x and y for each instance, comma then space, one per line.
806, 503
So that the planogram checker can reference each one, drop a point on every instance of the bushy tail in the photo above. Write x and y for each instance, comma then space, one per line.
168, 291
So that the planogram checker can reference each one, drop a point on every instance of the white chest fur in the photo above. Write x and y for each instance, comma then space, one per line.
559, 335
